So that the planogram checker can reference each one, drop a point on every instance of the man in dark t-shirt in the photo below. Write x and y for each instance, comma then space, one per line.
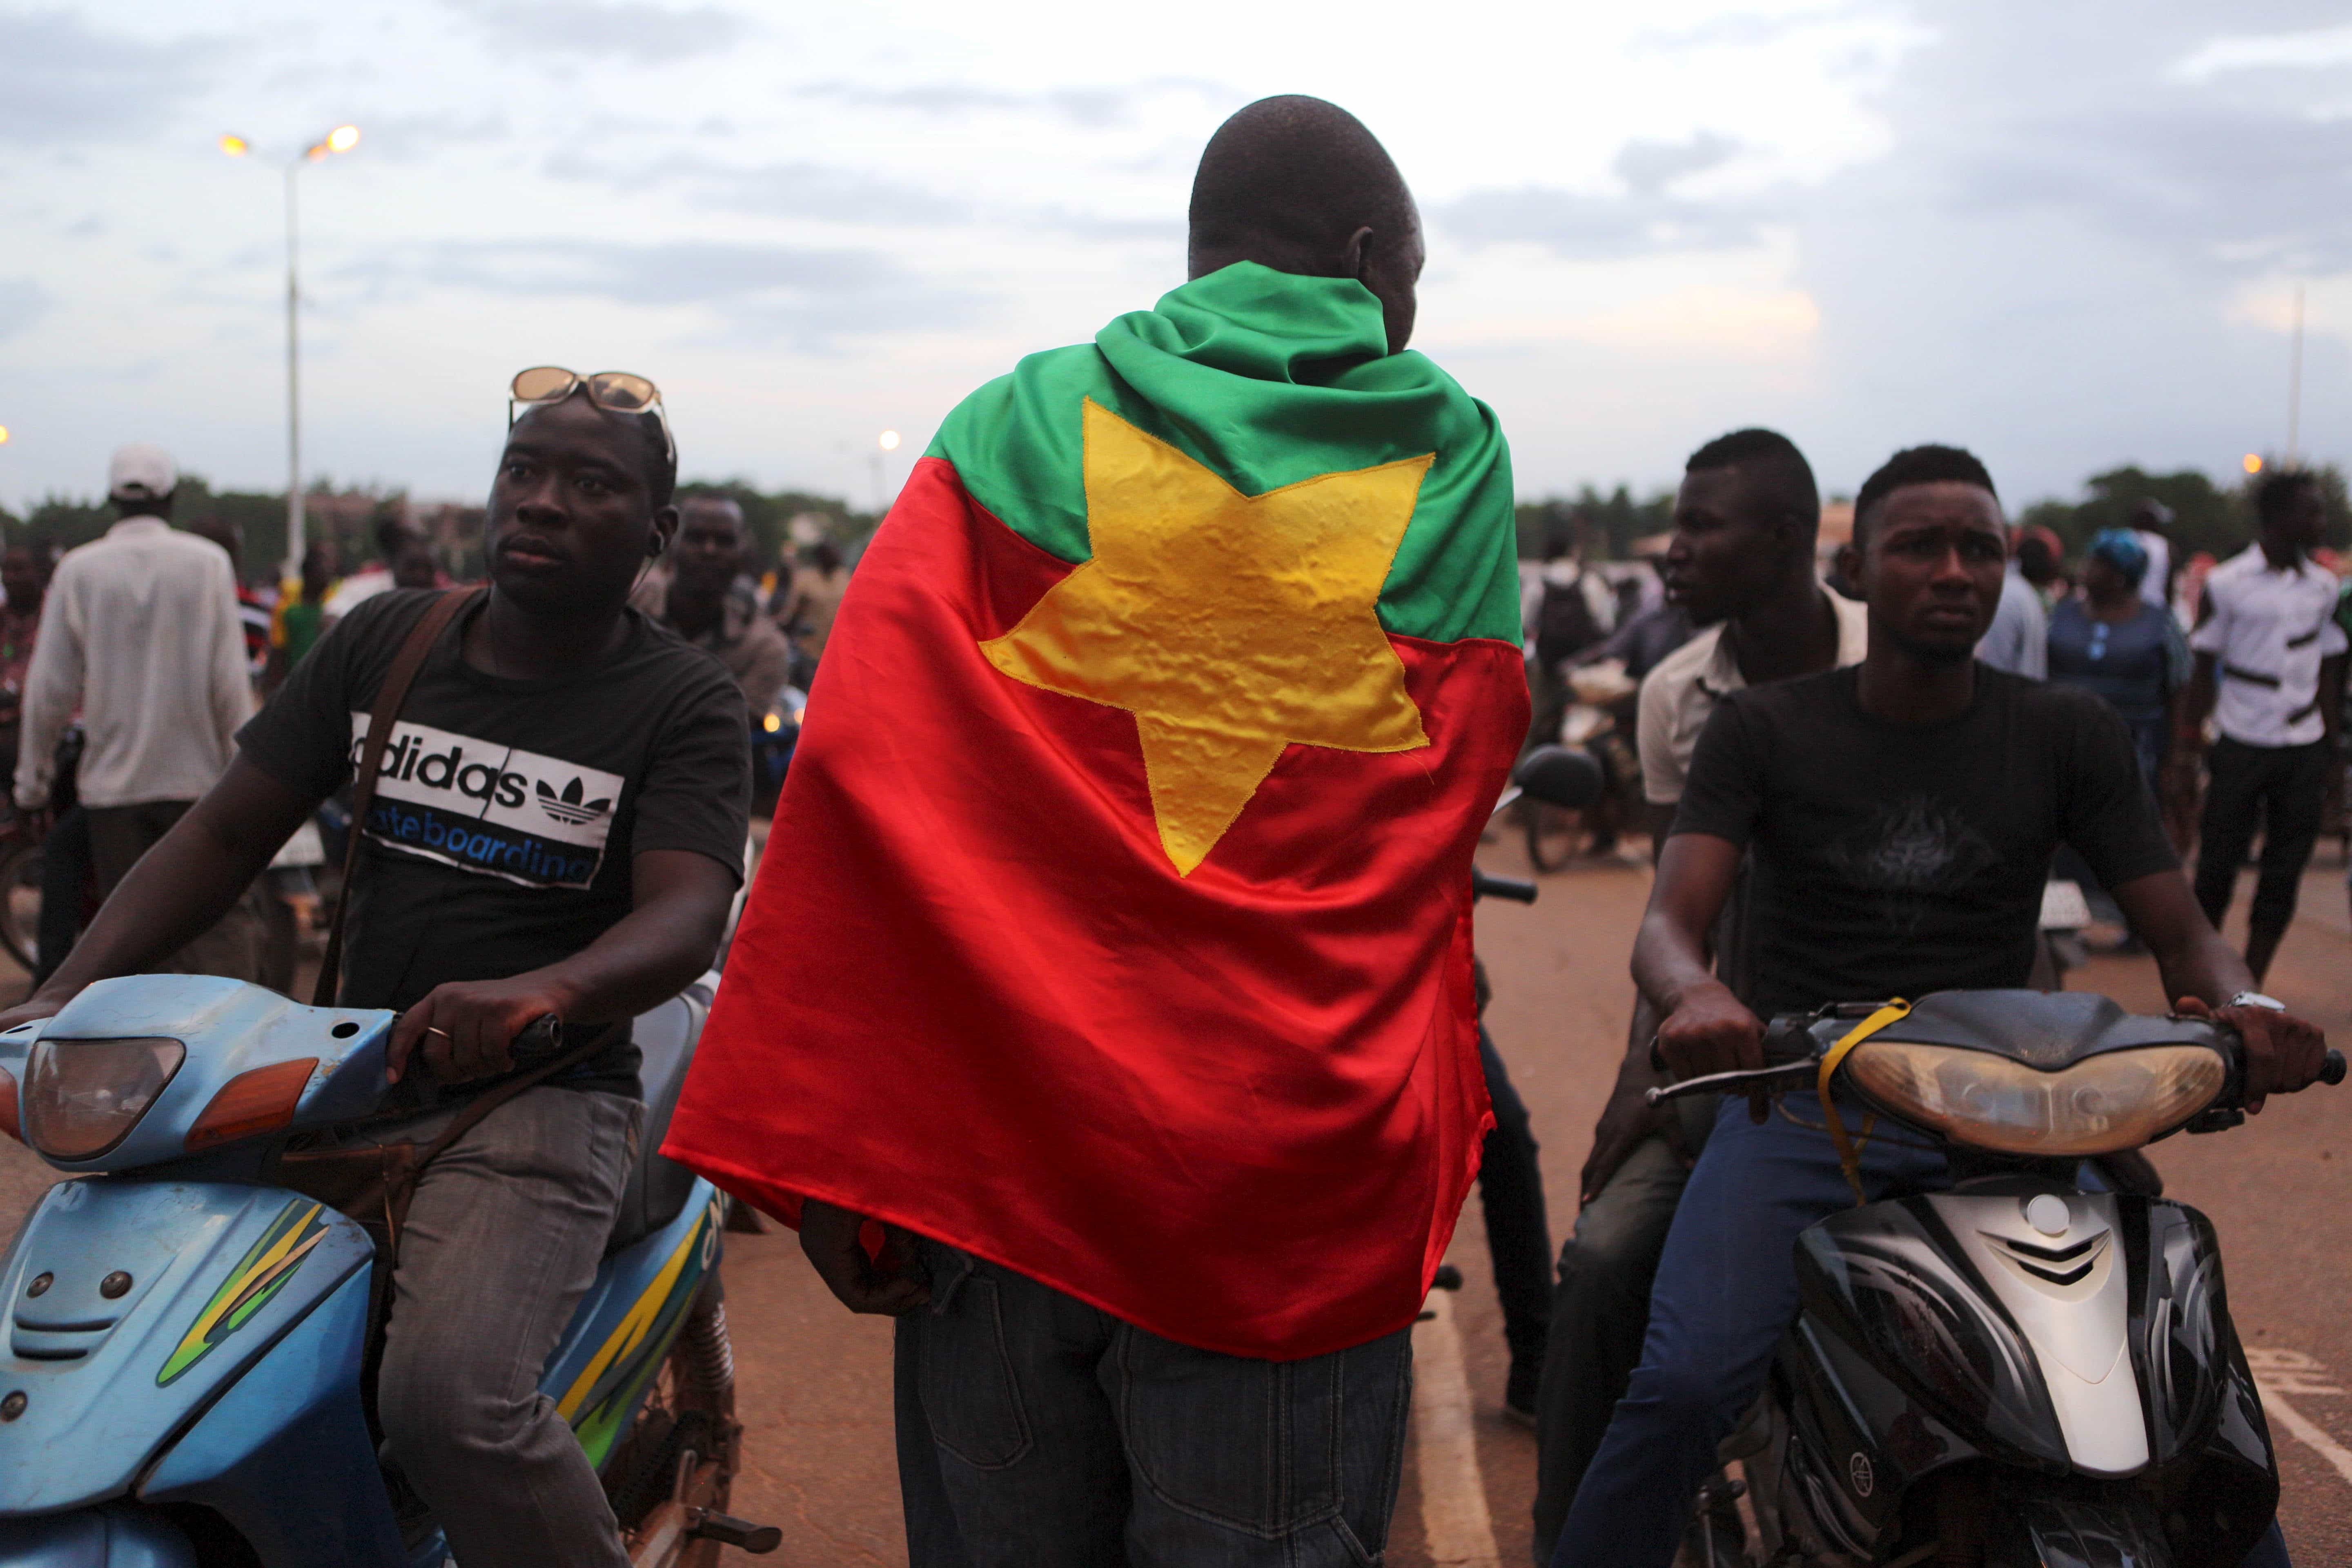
557, 828
1901, 814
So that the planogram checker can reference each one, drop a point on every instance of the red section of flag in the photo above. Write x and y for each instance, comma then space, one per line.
971, 995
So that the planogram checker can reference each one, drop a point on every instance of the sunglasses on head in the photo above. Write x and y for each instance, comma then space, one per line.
615, 391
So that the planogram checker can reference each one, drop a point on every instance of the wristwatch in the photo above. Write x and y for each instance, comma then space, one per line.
2255, 999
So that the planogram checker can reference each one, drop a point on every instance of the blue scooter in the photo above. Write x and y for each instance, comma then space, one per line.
180, 1379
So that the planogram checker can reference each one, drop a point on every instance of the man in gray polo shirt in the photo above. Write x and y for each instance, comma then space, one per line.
1741, 565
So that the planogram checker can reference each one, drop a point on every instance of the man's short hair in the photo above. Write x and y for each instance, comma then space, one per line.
1774, 461
1301, 175
1929, 464
2275, 492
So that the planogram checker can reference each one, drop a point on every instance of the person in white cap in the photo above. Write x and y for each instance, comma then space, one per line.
140, 632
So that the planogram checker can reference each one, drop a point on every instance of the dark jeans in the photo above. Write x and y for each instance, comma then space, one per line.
1600, 1313
1726, 1290
65, 887
119, 835
1036, 1431
2281, 789
1518, 1236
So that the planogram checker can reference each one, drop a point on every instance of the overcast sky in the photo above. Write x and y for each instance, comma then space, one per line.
2067, 235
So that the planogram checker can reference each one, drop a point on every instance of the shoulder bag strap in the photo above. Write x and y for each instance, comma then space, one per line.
382, 716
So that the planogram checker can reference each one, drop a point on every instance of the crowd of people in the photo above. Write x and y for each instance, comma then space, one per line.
1104, 1008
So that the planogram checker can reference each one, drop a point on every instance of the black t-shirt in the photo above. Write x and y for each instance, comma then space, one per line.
507, 812
1892, 859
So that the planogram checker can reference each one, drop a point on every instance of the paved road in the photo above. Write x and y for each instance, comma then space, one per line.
816, 1382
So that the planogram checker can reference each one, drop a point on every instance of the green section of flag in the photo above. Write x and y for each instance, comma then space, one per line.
1267, 378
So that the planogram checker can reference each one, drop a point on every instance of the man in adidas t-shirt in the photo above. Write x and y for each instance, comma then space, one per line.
557, 828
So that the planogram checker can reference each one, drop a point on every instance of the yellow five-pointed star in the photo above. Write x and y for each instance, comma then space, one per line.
1230, 626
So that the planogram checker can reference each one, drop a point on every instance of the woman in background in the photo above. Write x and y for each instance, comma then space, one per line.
2110, 640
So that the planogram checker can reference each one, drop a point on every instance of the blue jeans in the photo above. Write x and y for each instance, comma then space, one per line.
1727, 1289
1036, 1431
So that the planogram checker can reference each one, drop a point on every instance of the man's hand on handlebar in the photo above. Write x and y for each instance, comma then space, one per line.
466, 1030
2283, 1053
1711, 1032
31, 1010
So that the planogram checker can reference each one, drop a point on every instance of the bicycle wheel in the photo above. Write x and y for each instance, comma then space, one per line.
20, 902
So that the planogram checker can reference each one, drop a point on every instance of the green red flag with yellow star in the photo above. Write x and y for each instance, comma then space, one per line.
1115, 925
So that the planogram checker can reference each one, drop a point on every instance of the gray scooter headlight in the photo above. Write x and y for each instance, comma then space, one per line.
82, 1097
2117, 1099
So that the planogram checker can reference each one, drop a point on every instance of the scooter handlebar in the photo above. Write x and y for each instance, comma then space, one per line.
541, 1038
1483, 885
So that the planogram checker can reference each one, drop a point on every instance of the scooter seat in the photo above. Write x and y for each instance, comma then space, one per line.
657, 1188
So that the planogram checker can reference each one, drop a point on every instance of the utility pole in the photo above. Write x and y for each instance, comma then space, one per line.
2294, 381
294, 516
341, 139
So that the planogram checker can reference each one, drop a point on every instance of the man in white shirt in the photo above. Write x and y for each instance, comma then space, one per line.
2149, 519
2270, 673
2018, 638
140, 632
1742, 565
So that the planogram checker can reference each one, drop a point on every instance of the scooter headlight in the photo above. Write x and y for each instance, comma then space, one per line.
82, 1097
2119, 1100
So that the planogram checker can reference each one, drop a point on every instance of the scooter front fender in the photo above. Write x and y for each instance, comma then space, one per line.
284, 1454
152, 1300
113, 1537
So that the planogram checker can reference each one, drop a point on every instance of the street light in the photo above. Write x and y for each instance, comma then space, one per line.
341, 139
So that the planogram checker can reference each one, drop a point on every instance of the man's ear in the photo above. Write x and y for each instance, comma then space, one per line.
1848, 563
665, 530
1351, 258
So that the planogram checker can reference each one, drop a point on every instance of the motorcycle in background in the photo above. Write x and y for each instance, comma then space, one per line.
185, 1339
2023, 1371
1597, 722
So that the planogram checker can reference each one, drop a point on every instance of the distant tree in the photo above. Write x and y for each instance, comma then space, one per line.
2205, 517
1603, 525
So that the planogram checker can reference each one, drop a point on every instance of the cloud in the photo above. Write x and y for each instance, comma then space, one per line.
1091, 108
1649, 167
55, 70
1602, 228
628, 29
813, 297
2220, 187
2316, 50
785, 190
830, 193
1709, 320
23, 301
1744, 30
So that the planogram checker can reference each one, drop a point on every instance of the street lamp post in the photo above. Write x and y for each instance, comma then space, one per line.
341, 139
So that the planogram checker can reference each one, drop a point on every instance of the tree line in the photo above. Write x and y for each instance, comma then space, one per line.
351, 518
2217, 519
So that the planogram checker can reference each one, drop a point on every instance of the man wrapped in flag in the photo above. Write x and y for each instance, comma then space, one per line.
1103, 1008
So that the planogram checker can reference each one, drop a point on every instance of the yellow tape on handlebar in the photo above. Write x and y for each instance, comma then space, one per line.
1849, 1150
